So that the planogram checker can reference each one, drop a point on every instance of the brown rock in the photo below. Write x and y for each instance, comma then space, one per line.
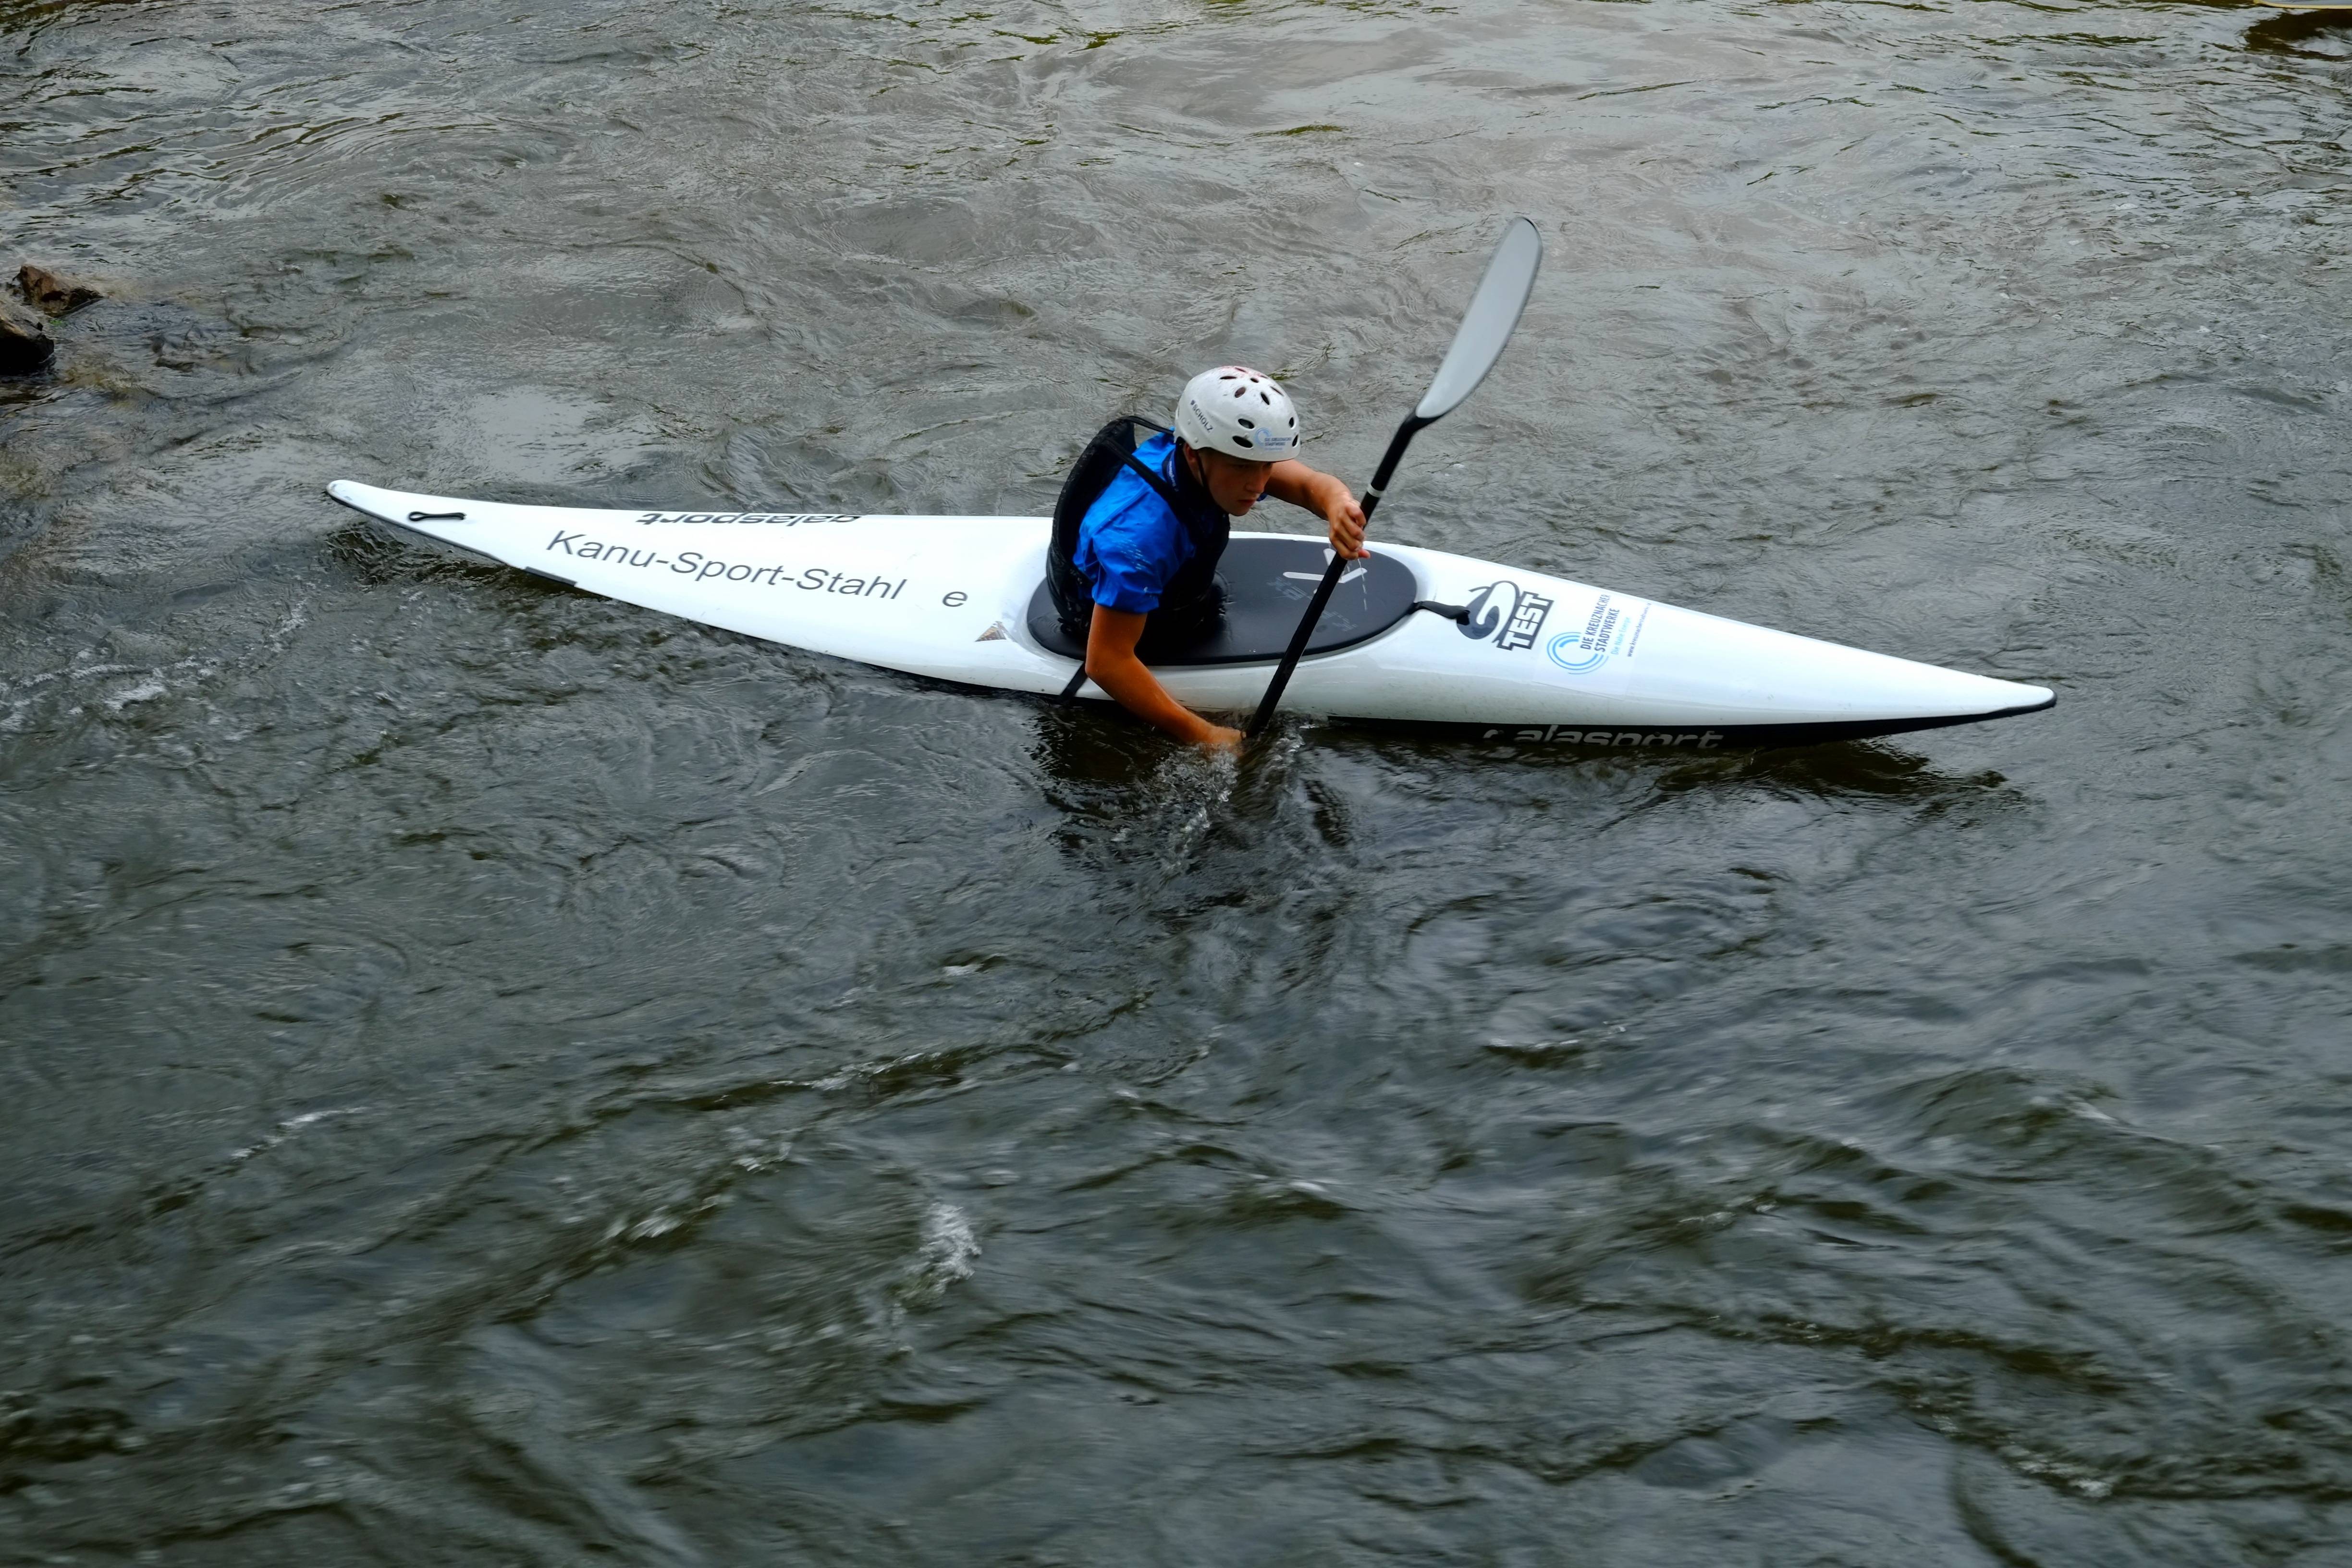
55, 295
24, 345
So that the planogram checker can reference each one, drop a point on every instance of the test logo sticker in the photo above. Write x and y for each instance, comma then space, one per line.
1489, 607
1525, 623
1508, 613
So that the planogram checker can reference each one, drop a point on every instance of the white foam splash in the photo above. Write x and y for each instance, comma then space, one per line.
287, 1128
949, 1248
146, 690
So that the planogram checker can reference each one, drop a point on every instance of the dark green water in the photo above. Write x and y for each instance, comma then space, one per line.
493, 1076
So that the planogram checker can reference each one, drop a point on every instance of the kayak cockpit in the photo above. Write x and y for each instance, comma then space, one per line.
1266, 583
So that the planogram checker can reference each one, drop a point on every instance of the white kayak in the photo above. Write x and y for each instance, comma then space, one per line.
1418, 639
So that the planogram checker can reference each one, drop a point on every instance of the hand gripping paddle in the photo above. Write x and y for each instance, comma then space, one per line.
1478, 344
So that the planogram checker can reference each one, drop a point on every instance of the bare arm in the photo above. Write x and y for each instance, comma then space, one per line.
1325, 497
1111, 664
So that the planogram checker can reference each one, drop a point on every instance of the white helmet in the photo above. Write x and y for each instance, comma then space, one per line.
1234, 410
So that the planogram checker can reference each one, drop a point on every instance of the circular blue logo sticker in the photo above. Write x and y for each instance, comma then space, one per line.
1562, 651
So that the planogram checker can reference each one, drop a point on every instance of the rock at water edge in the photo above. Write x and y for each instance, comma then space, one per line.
25, 344
51, 294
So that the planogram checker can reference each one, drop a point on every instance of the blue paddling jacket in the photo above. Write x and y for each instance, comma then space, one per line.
1133, 531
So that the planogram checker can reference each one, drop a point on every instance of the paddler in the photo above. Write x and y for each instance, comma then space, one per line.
1140, 526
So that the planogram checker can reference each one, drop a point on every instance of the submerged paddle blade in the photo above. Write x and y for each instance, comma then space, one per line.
1487, 327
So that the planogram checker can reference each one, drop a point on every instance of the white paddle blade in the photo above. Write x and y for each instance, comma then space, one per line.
1487, 327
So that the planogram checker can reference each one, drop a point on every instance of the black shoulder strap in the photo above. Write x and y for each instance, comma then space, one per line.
1167, 492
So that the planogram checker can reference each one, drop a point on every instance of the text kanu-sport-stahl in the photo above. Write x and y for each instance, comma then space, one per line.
1412, 637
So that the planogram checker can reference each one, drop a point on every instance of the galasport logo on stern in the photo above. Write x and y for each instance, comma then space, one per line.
1508, 613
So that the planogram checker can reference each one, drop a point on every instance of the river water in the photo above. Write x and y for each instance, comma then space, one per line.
495, 1076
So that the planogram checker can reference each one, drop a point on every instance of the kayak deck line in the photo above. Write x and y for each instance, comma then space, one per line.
1501, 656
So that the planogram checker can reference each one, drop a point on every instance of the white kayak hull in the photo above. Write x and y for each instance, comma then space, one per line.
1542, 662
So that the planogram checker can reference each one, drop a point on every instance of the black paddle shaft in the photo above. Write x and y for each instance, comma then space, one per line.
1478, 343
1331, 576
